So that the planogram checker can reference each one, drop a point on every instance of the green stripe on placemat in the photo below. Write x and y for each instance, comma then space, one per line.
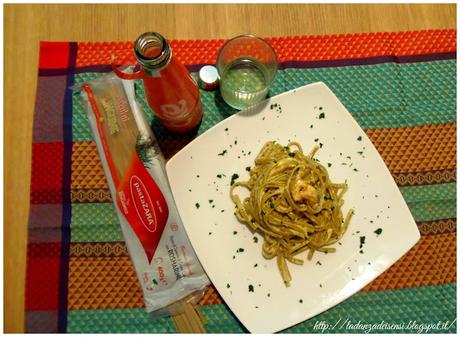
117, 321
95, 222
383, 95
431, 202
390, 306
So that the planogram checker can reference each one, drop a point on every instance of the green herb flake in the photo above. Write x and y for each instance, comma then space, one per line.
251, 288
255, 239
154, 281
291, 154
228, 285
240, 250
360, 138
236, 142
197, 205
211, 201
248, 168
301, 301
355, 169
361, 251
222, 153
219, 176
378, 231
311, 126
234, 177
362, 240
235, 232
318, 263
209, 233
255, 265
226, 129
329, 164
321, 115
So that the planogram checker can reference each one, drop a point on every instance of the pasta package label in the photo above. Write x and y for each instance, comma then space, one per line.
166, 265
143, 205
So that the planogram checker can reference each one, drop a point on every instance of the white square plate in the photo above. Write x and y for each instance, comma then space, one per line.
200, 176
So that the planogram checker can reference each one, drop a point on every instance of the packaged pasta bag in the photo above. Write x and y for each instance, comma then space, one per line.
166, 265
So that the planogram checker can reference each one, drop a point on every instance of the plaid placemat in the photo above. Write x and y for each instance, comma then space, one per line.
400, 87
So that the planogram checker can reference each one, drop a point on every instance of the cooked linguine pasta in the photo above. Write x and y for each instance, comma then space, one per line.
293, 204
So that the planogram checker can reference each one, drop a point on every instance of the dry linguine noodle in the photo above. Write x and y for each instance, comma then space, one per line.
293, 204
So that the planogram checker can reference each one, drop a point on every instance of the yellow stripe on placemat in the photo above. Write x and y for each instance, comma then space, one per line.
103, 283
417, 149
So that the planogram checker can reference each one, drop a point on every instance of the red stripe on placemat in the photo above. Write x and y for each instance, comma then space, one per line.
42, 276
294, 48
53, 55
47, 160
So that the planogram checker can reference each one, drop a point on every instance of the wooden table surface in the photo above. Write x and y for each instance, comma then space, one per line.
26, 25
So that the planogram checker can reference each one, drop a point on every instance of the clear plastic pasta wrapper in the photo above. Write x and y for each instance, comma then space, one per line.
165, 262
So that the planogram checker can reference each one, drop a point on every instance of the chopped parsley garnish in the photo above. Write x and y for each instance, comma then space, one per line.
291, 154
240, 250
155, 281
316, 139
255, 265
329, 164
251, 288
248, 168
311, 126
360, 138
378, 231
226, 129
300, 301
211, 201
219, 176
362, 240
355, 169
209, 233
235, 232
318, 263
321, 115
197, 205
234, 177
222, 153
255, 239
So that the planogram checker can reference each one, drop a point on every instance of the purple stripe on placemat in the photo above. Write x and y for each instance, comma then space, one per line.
104, 68
41, 321
66, 181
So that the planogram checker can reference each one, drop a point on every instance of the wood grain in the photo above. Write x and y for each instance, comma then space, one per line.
26, 25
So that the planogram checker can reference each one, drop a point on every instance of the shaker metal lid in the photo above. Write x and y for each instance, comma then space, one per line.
209, 77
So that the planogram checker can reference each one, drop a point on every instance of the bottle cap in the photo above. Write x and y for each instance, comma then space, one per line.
209, 77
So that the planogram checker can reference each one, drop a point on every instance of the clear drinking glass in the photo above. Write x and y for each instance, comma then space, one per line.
247, 65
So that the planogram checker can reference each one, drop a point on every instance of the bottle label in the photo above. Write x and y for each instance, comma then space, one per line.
143, 205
